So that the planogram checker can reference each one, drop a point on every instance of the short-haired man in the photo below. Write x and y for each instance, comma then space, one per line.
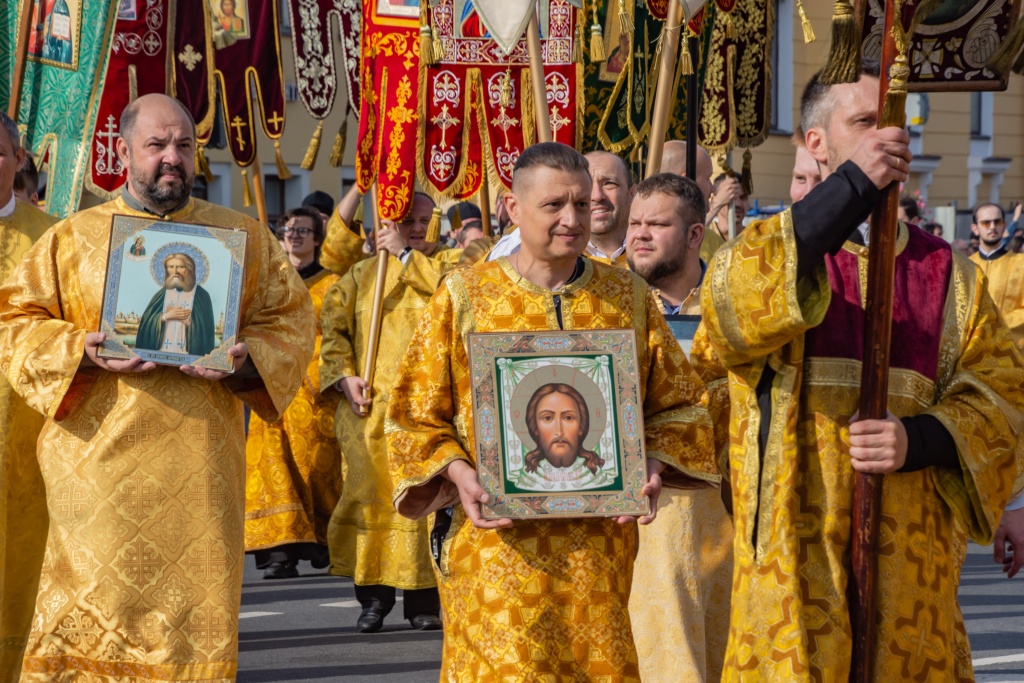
784, 309
152, 456
381, 550
535, 600
23, 516
1003, 267
683, 572
26, 182
727, 190
806, 174
673, 160
609, 208
293, 466
908, 212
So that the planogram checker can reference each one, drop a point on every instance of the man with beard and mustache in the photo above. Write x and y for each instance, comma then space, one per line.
1003, 267
683, 571
155, 453
179, 317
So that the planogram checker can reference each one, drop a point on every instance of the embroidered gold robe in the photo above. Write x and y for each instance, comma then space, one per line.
144, 473
710, 244
682, 578
951, 358
23, 518
544, 600
342, 248
1005, 277
368, 540
293, 466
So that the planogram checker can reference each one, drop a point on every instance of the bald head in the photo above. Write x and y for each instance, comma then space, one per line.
673, 160
154, 102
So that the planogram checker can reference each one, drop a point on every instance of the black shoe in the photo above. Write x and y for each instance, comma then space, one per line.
426, 622
370, 620
281, 570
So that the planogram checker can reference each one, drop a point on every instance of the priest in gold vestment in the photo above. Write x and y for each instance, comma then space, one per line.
23, 517
144, 466
293, 466
368, 540
679, 605
784, 309
535, 600
1003, 269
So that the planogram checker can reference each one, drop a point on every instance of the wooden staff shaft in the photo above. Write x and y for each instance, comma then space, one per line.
666, 81
373, 338
867, 500
21, 59
485, 205
540, 98
257, 190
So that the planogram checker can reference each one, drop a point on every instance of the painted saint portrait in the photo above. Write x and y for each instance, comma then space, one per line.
231, 16
398, 8
55, 38
138, 248
558, 421
179, 317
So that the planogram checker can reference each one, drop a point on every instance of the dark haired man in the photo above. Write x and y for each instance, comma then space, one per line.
784, 309
1003, 268
293, 465
154, 454
26, 182
559, 605
908, 211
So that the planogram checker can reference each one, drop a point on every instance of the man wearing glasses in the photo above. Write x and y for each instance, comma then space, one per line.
1003, 268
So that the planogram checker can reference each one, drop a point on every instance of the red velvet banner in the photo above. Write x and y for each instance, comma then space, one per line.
386, 148
250, 66
316, 73
192, 62
464, 126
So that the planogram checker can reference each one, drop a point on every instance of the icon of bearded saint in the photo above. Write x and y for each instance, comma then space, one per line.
179, 317
558, 421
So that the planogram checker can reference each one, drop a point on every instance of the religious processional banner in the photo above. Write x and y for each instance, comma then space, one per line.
248, 68
952, 45
316, 72
735, 103
143, 61
476, 103
620, 90
67, 62
389, 77
192, 62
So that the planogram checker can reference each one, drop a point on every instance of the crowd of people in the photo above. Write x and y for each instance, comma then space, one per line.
131, 490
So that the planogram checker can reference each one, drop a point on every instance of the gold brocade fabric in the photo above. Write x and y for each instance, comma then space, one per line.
1005, 279
544, 600
792, 512
23, 519
342, 248
368, 540
293, 466
144, 473
617, 261
710, 243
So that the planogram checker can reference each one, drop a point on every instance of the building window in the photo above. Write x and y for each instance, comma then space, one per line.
284, 19
981, 114
782, 68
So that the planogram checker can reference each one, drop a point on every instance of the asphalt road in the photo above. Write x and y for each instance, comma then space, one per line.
304, 630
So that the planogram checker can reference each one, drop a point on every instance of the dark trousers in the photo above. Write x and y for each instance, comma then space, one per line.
415, 602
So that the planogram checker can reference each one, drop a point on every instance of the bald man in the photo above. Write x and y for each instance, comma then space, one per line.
144, 466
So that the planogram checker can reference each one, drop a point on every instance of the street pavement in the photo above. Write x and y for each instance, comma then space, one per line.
304, 630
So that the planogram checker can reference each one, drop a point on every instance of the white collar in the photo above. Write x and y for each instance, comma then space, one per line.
594, 251
9, 208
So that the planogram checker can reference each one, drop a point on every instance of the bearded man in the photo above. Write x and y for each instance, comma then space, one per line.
148, 560
179, 317
558, 420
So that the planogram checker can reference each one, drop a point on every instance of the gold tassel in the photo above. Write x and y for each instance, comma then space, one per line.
202, 165
282, 169
843, 65
578, 56
456, 221
685, 60
434, 226
1003, 59
358, 217
625, 21
505, 94
730, 27
805, 22
338, 148
597, 52
309, 161
246, 190
746, 177
427, 46
438, 44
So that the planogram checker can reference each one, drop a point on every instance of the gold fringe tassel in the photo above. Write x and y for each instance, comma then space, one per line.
247, 199
505, 94
843, 65
427, 46
805, 22
438, 44
359, 215
282, 168
578, 55
747, 177
730, 27
338, 148
456, 221
202, 165
309, 161
685, 60
597, 52
1009, 53
625, 21
434, 226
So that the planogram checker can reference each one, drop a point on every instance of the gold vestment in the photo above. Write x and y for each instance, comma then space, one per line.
544, 600
144, 473
1006, 287
293, 466
793, 508
23, 517
367, 539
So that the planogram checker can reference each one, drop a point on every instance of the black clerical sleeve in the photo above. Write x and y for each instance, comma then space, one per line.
829, 214
929, 444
